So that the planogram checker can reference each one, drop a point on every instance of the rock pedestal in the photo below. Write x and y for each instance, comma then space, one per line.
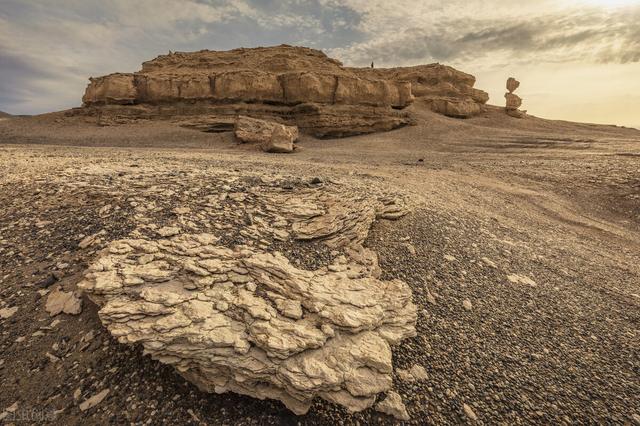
513, 101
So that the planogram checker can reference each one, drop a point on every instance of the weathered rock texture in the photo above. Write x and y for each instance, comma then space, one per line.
272, 137
513, 101
242, 319
449, 91
295, 85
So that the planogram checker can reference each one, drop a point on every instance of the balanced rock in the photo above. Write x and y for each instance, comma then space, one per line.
513, 101
292, 85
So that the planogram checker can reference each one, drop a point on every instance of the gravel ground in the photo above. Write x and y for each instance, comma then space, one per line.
524, 263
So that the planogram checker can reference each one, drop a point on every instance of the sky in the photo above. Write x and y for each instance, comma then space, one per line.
576, 59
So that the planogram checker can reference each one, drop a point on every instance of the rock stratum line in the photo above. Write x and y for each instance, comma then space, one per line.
293, 85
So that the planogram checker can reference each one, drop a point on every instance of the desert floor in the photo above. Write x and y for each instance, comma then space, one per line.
492, 197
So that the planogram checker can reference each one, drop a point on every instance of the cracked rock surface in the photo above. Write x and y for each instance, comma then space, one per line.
243, 319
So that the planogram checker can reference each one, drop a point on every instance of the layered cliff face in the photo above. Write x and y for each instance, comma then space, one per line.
449, 91
294, 85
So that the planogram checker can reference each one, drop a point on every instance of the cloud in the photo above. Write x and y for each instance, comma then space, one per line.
48, 51
588, 35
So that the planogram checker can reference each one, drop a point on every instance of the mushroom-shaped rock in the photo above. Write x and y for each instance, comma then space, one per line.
512, 84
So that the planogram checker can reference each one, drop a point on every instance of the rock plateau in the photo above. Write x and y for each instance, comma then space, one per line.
291, 85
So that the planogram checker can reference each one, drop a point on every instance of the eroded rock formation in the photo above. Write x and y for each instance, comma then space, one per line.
272, 137
449, 91
246, 320
294, 85
513, 101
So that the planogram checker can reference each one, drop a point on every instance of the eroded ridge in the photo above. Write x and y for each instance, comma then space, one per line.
246, 320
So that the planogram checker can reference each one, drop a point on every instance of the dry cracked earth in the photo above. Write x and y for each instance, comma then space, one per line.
519, 240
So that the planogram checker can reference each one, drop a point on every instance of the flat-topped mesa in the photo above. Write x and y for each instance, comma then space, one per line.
279, 75
294, 85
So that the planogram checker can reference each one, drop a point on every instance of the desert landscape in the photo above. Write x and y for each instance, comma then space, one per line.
265, 236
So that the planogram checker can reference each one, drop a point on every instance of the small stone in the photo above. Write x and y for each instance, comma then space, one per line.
94, 400
467, 304
77, 394
61, 301
470, 413
411, 249
431, 298
48, 281
8, 312
393, 406
181, 210
52, 358
328, 330
520, 279
419, 372
168, 231
449, 258
87, 241
489, 262
405, 375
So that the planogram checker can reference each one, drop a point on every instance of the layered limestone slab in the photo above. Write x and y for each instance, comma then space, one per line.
246, 320
250, 322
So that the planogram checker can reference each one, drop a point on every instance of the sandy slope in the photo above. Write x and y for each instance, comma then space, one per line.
494, 197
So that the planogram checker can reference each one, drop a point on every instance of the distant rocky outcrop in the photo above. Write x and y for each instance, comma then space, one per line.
292, 85
449, 91
5, 115
513, 101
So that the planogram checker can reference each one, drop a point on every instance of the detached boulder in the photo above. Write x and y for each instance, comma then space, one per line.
272, 137
281, 140
457, 108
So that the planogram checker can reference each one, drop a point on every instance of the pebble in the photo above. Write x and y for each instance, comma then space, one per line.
8, 312
468, 411
94, 400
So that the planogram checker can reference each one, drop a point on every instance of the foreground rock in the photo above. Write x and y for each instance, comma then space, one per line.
245, 320
272, 137
60, 301
293, 85
393, 406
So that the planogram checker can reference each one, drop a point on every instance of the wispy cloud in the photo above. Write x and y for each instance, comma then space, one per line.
49, 49
563, 35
